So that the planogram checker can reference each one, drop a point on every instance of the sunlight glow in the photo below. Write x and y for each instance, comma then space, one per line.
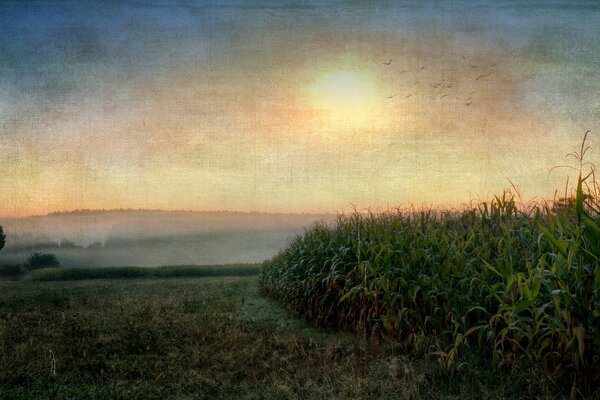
350, 98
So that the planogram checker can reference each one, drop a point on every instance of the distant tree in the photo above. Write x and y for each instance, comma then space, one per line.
42, 260
95, 245
68, 244
2, 238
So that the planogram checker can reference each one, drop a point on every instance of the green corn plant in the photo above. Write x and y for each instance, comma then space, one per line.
517, 280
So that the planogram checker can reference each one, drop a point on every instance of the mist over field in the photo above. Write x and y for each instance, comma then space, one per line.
152, 238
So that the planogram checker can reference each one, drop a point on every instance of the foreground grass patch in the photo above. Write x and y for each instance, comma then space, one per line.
72, 274
204, 338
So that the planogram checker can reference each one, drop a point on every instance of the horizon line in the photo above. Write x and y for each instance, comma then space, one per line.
108, 210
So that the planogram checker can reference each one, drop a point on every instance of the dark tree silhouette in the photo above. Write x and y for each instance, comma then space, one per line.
2, 238
42, 260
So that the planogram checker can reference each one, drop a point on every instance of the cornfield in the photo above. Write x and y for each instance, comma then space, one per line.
515, 281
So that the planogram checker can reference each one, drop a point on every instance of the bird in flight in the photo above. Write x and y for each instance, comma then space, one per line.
423, 67
469, 103
387, 63
444, 95
481, 76
406, 97
390, 97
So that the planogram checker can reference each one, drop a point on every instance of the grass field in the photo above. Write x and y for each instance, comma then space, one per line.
210, 337
74, 274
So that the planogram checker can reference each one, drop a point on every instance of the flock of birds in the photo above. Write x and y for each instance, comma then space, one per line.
443, 84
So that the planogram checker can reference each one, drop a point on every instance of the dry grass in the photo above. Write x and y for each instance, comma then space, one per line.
202, 338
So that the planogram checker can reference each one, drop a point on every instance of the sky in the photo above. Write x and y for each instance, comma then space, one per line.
290, 106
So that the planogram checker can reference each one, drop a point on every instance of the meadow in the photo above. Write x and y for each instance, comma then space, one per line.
208, 337
73, 274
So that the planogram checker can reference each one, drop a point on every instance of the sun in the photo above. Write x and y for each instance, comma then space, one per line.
349, 97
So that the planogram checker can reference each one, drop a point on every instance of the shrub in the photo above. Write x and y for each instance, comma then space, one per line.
42, 260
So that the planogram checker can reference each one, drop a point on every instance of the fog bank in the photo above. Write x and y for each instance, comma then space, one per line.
152, 238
